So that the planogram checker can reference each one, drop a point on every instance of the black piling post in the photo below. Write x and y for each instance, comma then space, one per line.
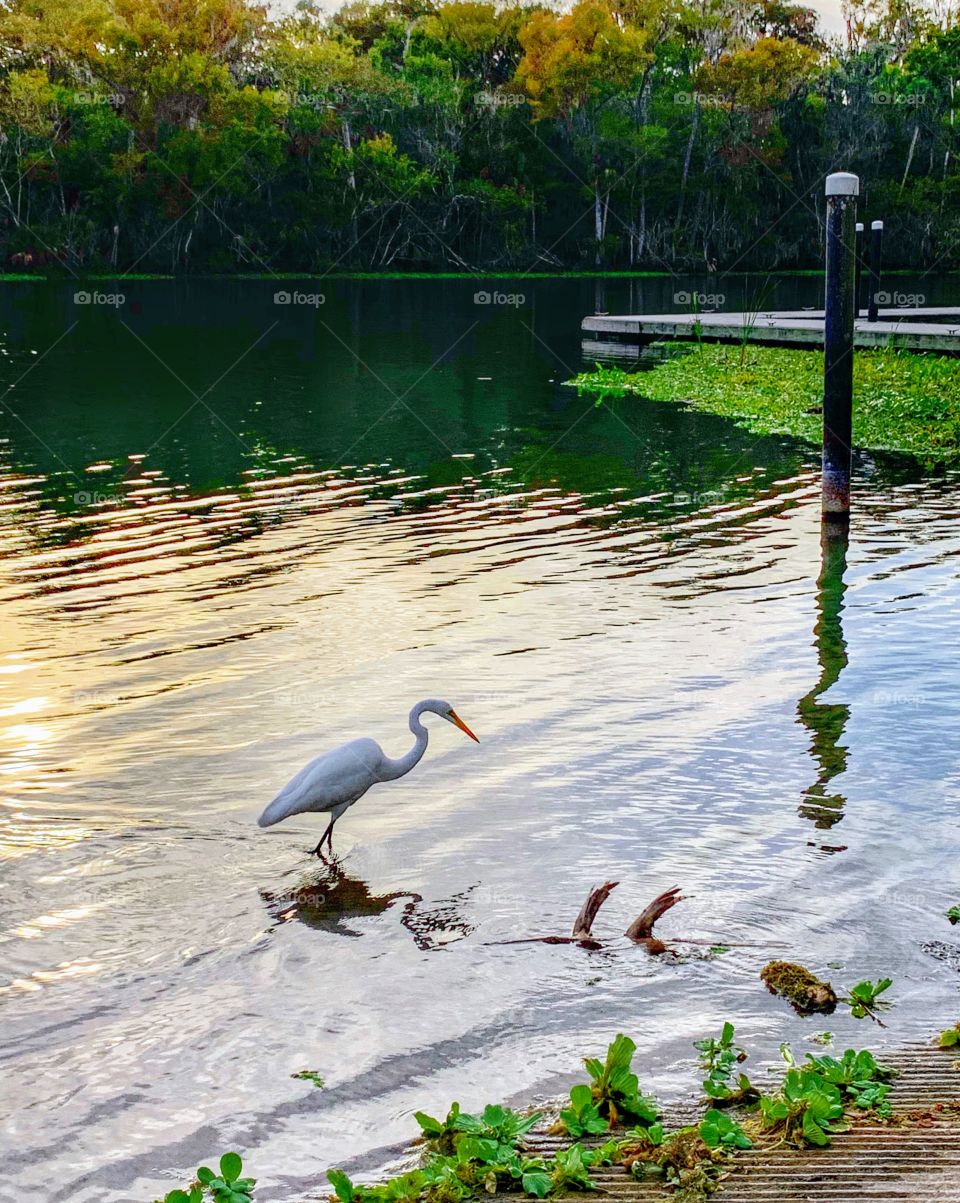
842, 191
876, 247
858, 285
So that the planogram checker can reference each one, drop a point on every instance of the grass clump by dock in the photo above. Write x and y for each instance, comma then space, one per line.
903, 402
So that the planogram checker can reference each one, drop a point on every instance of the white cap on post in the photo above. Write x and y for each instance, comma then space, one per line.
859, 227
876, 225
843, 183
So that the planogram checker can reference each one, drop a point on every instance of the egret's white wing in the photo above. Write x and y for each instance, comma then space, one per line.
336, 778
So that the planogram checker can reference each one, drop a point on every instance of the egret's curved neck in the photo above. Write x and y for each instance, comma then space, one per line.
392, 769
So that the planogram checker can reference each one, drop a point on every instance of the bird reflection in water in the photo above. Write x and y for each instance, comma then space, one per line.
328, 899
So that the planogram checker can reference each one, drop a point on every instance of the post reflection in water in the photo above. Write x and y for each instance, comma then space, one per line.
827, 721
328, 898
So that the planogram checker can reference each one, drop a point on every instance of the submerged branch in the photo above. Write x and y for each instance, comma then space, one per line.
640, 930
642, 927
583, 927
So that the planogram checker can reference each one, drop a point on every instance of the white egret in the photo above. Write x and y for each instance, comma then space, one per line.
334, 781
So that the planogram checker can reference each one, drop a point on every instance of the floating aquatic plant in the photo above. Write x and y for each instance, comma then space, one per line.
309, 1075
226, 1187
865, 998
719, 1058
904, 401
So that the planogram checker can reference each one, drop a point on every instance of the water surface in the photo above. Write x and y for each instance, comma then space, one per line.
235, 533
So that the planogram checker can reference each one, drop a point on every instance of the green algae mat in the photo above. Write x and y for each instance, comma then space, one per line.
903, 402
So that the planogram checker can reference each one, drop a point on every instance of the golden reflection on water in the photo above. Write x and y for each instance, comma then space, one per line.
41, 978
632, 670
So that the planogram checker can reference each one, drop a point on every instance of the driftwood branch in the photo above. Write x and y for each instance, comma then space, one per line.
583, 927
640, 930
642, 927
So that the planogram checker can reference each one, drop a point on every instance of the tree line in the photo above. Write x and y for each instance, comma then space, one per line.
210, 135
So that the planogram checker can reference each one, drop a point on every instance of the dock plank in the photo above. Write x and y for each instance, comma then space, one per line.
899, 328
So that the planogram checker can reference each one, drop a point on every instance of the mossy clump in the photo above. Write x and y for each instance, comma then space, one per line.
806, 993
683, 1162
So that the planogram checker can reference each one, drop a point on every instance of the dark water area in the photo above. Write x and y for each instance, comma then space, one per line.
235, 532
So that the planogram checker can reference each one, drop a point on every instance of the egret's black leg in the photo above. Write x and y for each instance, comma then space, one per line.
328, 837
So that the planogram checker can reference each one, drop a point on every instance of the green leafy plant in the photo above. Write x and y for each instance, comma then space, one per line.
193, 1195
807, 1108
496, 1124
226, 1187
865, 998
309, 1075
719, 1058
951, 1037
343, 1187
859, 1078
652, 1134
582, 1117
471, 1152
571, 1169
439, 1133
405, 1188
719, 1131
953, 914
615, 1089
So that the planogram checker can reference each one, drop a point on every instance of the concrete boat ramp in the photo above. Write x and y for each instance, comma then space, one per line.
927, 329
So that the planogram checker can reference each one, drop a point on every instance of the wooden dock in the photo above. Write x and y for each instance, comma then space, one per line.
907, 329
913, 1159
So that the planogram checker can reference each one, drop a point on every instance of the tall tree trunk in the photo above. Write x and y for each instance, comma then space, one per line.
352, 175
687, 157
913, 147
597, 218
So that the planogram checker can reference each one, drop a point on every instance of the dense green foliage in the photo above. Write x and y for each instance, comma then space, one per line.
810, 1103
902, 401
422, 134
471, 1154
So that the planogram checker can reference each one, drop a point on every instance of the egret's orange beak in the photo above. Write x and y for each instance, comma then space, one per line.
458, 722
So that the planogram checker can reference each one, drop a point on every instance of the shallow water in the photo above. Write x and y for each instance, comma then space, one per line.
236, 533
